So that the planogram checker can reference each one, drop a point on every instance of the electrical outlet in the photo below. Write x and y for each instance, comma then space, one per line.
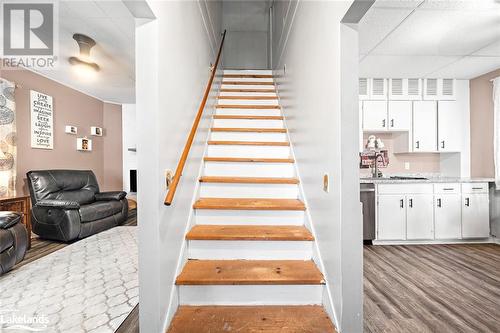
326, 183
407, 165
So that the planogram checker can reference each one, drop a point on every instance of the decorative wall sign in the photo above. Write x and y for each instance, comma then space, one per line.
42, 121
84, 144
96, 131
71, 129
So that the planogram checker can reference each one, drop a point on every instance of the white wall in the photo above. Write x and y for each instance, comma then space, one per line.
129, 137
247, 25
173, 54
319, 95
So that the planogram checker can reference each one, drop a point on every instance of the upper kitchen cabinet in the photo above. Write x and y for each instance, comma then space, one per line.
374, 116
405, 89
439, 89
424, 126
450, 129
399, 115
364, 88
378, 89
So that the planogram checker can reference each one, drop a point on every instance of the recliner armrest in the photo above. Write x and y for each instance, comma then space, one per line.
108, 196
62, 204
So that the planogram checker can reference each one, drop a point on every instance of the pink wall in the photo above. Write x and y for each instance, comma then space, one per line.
70, 108
419, 163
481, 125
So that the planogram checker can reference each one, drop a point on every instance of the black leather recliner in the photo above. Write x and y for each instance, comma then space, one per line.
68, 205
13, 240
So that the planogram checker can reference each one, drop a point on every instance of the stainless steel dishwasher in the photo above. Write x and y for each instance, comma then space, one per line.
367, 197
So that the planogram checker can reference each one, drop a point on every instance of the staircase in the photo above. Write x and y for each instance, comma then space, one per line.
250, 266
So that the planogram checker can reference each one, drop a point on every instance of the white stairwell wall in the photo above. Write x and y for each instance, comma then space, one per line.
321, 117
173, 54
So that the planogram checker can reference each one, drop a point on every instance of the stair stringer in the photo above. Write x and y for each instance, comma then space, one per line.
184, 252
316, 255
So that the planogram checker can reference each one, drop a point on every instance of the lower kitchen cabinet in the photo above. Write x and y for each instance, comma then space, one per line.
448, 216
391, 217
419, 216
475, 215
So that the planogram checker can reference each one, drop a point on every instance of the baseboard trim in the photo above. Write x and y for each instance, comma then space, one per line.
437, 242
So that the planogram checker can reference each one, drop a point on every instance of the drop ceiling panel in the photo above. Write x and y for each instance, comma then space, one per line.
490, 50
114, 9
460, 5
469, 67
377, 24
397, 4
84, 9
442, 32
402, 66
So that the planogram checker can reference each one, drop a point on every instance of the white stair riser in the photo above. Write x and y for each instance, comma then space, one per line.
247, 101
248, 151
250, 123
248, 112
248, 136
250, 169
247, 79
251, 295
224, 190
246, 86
249, 217
249, 71
249, 250
239, 93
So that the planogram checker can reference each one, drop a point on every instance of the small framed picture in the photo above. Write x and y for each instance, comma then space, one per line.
84, 144
96, 131
71, 129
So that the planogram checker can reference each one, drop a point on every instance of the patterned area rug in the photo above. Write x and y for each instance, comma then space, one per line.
88, 286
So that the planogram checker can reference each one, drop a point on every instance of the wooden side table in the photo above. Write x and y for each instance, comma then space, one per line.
19, 202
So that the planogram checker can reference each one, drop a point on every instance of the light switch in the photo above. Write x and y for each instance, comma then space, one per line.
407, 165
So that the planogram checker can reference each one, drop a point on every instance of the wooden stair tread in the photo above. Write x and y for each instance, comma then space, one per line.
248, 117
249, 97
244, 106
250, 232
256, 130
250, 272
249, 83
251, 319
248, 180
248, 143
250, 90
249, 160
249, 204
249, 76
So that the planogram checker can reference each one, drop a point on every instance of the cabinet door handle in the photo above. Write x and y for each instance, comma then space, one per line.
383, 123
442, 144
401, 203
392, 122
410, 203
439, 203
417, 144
467, 202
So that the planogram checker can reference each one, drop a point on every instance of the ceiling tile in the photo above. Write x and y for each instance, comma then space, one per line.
442, 32
490, 50
377, 24
82, 9
469, 67
397, 3
461, 5
402, 66
114, 8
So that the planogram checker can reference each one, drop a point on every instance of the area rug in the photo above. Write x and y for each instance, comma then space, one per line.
89, 286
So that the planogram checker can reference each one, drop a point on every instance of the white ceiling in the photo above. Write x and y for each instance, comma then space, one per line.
430, 38
112, 26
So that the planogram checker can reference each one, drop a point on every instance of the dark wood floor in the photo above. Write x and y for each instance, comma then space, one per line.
432, 288
41, 248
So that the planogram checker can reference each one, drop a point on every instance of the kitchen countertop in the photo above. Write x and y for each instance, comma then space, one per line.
429, 180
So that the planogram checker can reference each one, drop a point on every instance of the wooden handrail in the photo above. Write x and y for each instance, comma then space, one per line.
182, 161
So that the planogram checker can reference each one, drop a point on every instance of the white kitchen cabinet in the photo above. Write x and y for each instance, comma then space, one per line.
405, 89
475, 215
391, 217
450, 129
399, 115
375, 115
419, 217
378, 89
424, 126
439, 89
448, 216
